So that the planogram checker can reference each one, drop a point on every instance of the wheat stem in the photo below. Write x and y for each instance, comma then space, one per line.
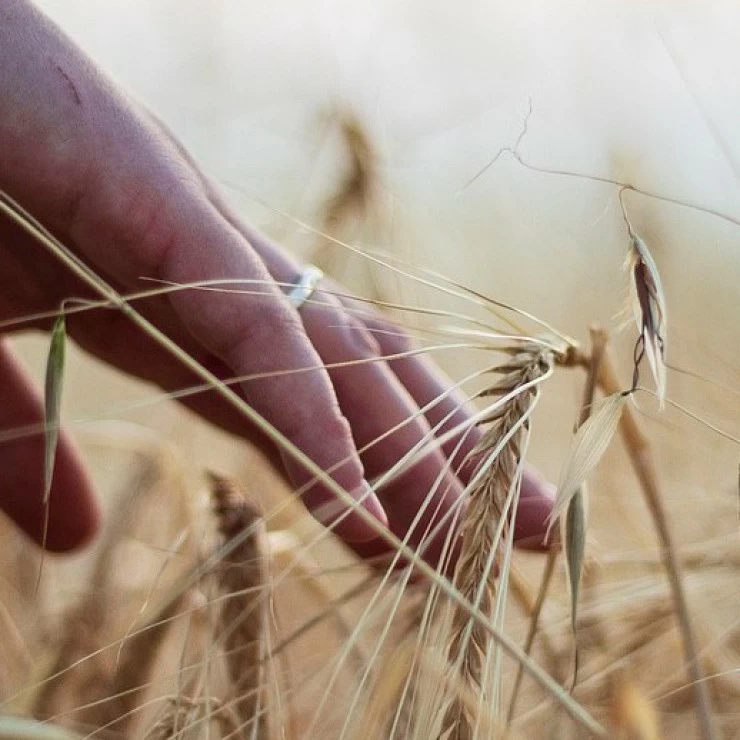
640, 453
547, 574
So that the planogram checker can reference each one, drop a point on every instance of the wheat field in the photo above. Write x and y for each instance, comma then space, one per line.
489, 146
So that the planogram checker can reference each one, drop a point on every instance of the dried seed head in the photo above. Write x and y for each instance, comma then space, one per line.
649, 307
492, 493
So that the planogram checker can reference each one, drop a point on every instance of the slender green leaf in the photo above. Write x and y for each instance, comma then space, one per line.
53, 400
52, 412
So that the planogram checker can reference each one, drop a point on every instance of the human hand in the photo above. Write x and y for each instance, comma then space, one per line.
117, 189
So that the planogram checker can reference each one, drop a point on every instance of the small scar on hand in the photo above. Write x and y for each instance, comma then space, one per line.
70, 84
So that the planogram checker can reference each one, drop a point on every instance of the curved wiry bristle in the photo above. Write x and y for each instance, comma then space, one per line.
175, 718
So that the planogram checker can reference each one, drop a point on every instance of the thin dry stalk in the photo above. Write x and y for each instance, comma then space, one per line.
357, 189
139, 659
243, 619
534, 621
475, 572
89, 626
641, 456
599, 340
177, 716
530, 603
592, 622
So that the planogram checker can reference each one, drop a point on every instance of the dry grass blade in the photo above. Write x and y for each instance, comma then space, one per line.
589, 444
649, 307
490, 495
243, 619
574, 523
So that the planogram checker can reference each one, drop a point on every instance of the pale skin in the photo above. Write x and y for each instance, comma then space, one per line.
114, 185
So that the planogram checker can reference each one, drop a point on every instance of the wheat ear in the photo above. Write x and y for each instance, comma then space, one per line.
491, 494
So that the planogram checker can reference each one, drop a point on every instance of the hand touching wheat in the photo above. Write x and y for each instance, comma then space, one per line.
115, 186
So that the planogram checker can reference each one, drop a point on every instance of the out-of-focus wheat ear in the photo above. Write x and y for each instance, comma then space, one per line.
355, 196
357, 189
243, 621
633, 714
388, 691
80, 674
139, 657
83, 674
649, 308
